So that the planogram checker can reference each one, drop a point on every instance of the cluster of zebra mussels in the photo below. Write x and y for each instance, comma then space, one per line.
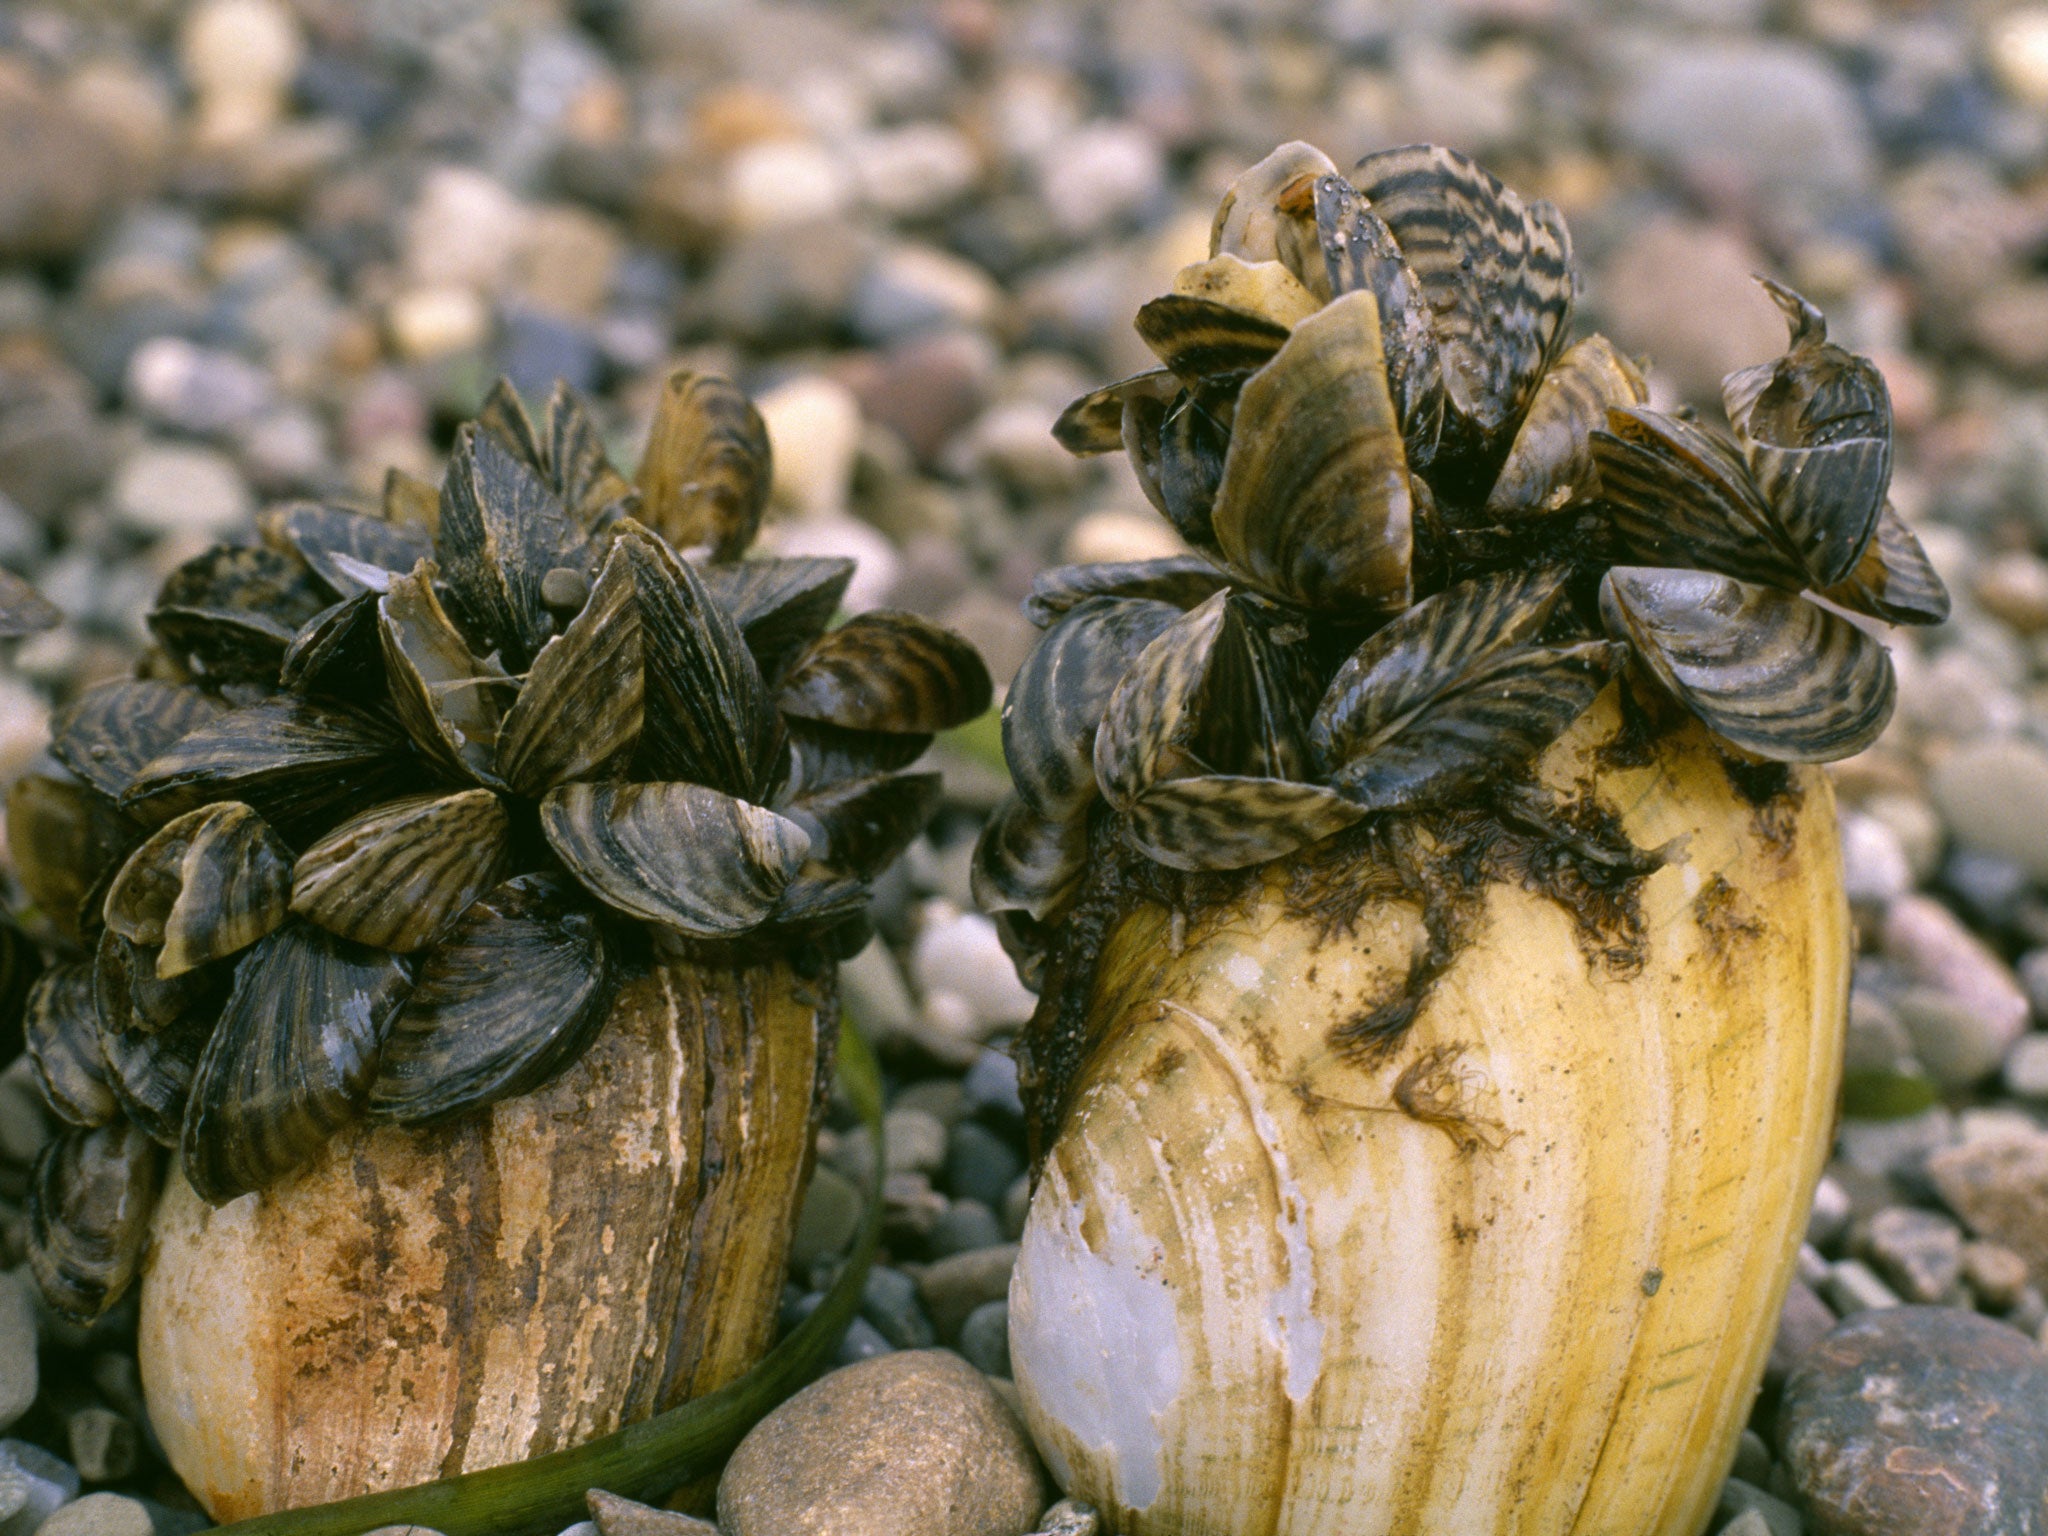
394, 803
1428, 527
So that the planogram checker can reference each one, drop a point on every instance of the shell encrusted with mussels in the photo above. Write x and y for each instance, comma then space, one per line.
398, 803
1427, 528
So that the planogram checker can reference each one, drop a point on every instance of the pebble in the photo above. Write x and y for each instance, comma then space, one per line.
1963, 1043
100, 1514
985, 1338
916, 1141
1996, 1274
888, 1300
20, 1378
464, 230
1874, 865
193, 388
1899, 1146
1852, 1286
1682, 291
182, 488
1999, 1187
959, 953
622, 1517
45, 1484
779, 183
872, 987
912, 1444
1069, 1517
1750, 1522
1919, 1421
1741, 1500
104, 1445
990, 1087
965, 1226
62, 177
911, 288
1101, 173
828, 1219
861, 1341
954, 1287
814, 427
1993, 793
428, 323
2026, 1067
980, 1164
1919, 1253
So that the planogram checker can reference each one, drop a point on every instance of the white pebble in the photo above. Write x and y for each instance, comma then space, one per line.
959, 952
814, 427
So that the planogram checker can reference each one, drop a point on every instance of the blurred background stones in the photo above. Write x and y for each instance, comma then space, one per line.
254, 250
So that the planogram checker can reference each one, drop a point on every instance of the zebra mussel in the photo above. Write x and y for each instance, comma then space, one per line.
400, 801
1427, 527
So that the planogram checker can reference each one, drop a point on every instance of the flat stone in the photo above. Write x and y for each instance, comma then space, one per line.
1999, 1187
1919, 1253
1919, 1421
100, 1514
912, 1444
622, 1517
19, 1376
954, 1287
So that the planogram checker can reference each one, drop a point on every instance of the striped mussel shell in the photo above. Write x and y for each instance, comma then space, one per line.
1426, 527
399, 792
90, 1199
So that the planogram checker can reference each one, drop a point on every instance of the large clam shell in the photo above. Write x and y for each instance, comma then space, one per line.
1314, 504
90, 1200
513, 994
398, 876
204, 885
63, 1030
1059, 694
888, 671
582, 704
291, 1059
681, 855
1773, 674
706, 473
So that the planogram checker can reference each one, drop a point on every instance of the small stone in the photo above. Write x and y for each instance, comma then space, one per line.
1896, 1147
1069, 1517
464, 230
954, 1287
828, 1219
889, 1301
1116, 535
1682, 292
100, 1514
943, 1098
622, 1517
62, 179
1999, 1187
19, 1376
435, 322
872, 987
840, 536
916, 1142
1996, 1274
1918, 1252
959, 952
2025, 1073
2018, 47
103, 1444
1918, 1420
566, 261
966, 1226
1750, 1522
776, 183
1993, 793
980, 1164
1963, 1044
1852, 1286
1752, 1458
49, 1483
912, 1444
1877, 1041
589, 1528
985, 1338
1741, 1500
1103, 172
814, 429
916, 169
1914, 823
991, 1087
861, 1341
176, 488
911, 1210
1874, 867
1829, 1217
912, 288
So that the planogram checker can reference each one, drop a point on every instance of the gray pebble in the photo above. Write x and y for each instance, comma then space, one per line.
915, 1142
1994, 794
943, 1098
100, 1514
980, 1165
991, 1085
1069, 1517
911, 1208
1997, 1275
1896, 1146
2025, 1074
985, 1338
1829, 1217
863, 1341
584, 1528
966, 1226
50, 1483
1852, 1286
889, 1301
19, 1375
1752, 1458
954, 1287
103, 1444
830, 1216
1749, 1523
614, 1516
1919, 1253
1739, 1498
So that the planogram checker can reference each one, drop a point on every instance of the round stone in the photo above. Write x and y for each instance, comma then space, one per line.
1919, 1421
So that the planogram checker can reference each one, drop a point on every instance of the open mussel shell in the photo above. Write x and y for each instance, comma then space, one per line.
1184, 464
1028, 862
397, 876
296, 761
108, 732
1248, 222
1496, 274
1204, 342
1265, 290
682, 855
1894, 581
204, 885
1224, 821
89, 1204
291, 1059
339, 652
707, 469
151, 1072
888, 671
780, 605
1551, 461
1181, 580
821, 755
65, 837
1680, 494
1095, 423
228, 614
581, 705
347, 550
502, 531
23, 610
1771, 673
1314, 504
1060, 692
707, 716
450, 702
63, 1030
131, 997
511, 996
